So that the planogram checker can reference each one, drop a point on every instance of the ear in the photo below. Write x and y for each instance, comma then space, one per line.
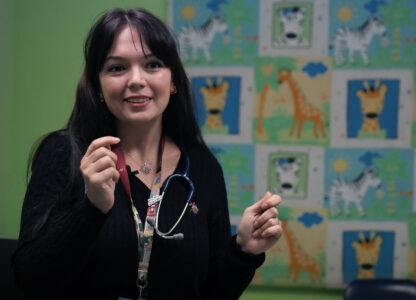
101, 96
173, 89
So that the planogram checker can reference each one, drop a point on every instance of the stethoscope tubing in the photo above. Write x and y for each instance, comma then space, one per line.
185, 177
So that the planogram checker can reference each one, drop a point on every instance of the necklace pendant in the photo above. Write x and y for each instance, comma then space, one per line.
146, 169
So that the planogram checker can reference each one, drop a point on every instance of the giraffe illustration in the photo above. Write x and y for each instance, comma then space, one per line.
261, 133
299, 259
368, 251
372, 103
257, 278
414, 265
303, 110
215, 95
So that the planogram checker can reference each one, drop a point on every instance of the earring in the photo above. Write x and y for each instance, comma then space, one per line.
173, 90
101, 97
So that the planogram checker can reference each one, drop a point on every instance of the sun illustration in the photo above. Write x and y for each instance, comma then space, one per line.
188, 12
345, 14
340, 165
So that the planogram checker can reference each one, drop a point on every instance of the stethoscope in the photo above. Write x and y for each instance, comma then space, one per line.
184, 177
121, 167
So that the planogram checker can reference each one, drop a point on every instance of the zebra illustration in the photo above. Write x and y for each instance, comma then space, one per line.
287, 173
357, 40
292, 24
352, 191
200, 38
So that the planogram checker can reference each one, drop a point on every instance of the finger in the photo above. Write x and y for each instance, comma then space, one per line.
104, 176
105, 141
102, 163
257, 207
110, 173
268, 229
93, 153
270, 214
275, 231
99, 153
266, 225
90, 171
272, 201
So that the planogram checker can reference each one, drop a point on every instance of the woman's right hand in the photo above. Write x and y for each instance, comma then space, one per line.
98, 167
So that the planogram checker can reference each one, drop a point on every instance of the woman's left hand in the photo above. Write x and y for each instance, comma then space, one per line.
259, 227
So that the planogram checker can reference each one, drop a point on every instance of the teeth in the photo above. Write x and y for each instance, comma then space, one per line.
141, 100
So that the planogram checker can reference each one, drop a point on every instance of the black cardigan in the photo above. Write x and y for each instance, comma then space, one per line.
69, 249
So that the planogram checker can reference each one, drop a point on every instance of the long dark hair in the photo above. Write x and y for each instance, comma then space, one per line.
91, 119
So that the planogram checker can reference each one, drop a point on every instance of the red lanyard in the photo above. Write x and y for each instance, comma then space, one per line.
144, 236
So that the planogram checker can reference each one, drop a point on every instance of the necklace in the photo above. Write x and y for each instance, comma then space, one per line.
146, 168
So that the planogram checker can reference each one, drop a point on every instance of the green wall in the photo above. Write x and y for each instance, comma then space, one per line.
6, 57
41, 56
47, 42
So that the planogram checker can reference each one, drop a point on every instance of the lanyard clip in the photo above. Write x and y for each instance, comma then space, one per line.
154, 199
141, 284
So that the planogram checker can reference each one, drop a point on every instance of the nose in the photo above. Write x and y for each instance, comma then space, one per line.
136, 78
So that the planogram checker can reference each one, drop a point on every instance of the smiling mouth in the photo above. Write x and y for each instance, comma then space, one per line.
137, 100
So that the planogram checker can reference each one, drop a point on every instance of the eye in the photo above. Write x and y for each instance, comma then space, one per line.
154, 64
115, 68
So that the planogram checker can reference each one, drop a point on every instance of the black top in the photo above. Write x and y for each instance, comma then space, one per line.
67, 247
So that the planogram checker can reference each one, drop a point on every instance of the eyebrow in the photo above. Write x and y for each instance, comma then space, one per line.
113, 57
147, 56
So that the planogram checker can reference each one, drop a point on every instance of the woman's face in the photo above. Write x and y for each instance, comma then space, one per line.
136, 85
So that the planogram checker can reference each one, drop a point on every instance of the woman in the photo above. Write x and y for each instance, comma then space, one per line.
88, 230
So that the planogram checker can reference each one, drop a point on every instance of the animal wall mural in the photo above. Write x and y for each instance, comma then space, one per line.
313, 100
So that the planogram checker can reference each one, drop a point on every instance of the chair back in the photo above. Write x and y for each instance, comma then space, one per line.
381, 289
